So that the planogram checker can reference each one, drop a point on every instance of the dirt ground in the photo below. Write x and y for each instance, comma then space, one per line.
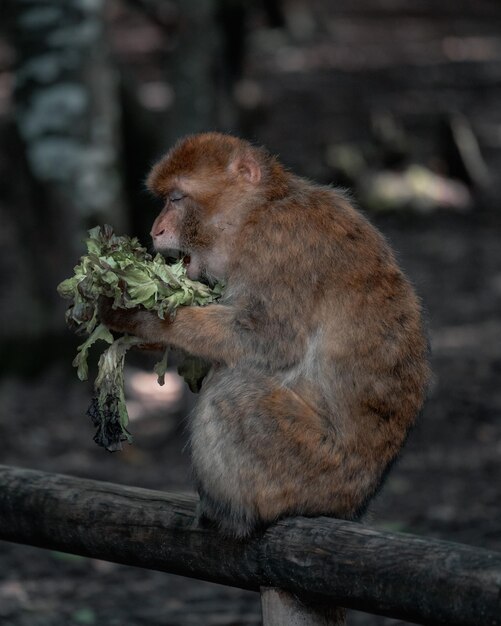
446, 484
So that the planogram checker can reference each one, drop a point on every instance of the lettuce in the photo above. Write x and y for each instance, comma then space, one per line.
118, 267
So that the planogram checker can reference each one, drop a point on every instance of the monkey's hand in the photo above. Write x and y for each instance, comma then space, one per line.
131, 321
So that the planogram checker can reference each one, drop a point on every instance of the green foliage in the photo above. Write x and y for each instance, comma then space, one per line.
120, 268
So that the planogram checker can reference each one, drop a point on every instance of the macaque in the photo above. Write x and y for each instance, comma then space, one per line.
319, 359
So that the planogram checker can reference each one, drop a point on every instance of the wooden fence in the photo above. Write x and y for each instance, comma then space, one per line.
315, 562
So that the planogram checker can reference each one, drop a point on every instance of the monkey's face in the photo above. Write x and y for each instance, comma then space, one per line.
181, 229
207, 182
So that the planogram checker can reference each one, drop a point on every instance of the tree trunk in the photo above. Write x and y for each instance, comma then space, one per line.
192, 70
67, 116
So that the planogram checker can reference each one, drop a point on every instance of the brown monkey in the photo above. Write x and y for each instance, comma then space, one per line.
320, 360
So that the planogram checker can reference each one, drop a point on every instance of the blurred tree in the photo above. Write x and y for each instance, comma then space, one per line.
192, 65
192, 70
67, 117
206, 58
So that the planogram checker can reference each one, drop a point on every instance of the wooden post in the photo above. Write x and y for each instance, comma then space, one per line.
285, 609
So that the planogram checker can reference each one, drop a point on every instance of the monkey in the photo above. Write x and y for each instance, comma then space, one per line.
318, 353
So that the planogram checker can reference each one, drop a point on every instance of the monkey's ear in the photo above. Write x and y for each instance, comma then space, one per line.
247, 167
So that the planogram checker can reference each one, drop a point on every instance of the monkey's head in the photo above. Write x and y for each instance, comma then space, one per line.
209, 183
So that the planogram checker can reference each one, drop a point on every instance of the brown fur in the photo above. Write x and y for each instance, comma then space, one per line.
319, 341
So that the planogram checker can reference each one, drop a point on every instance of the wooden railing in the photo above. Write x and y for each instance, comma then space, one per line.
301, 565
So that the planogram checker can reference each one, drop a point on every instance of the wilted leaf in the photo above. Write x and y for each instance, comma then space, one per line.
80, 361
121, 269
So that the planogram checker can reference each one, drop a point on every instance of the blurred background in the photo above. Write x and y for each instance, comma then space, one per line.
398, 100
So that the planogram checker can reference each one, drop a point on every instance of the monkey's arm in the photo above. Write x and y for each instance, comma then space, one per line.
209, 332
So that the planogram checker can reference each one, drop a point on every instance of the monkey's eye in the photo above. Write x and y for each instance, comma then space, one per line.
176, 195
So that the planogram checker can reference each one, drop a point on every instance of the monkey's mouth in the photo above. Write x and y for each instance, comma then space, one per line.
191, 265
172, 255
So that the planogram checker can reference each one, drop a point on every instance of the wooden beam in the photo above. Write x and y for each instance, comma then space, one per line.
318, 559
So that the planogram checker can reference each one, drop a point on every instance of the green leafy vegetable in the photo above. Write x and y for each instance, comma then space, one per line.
121, 269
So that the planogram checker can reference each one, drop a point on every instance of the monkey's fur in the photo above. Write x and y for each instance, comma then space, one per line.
320, 360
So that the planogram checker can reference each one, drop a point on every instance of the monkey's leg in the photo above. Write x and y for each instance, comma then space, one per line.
260, 452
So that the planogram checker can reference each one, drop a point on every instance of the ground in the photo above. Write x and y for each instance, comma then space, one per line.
446, 484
